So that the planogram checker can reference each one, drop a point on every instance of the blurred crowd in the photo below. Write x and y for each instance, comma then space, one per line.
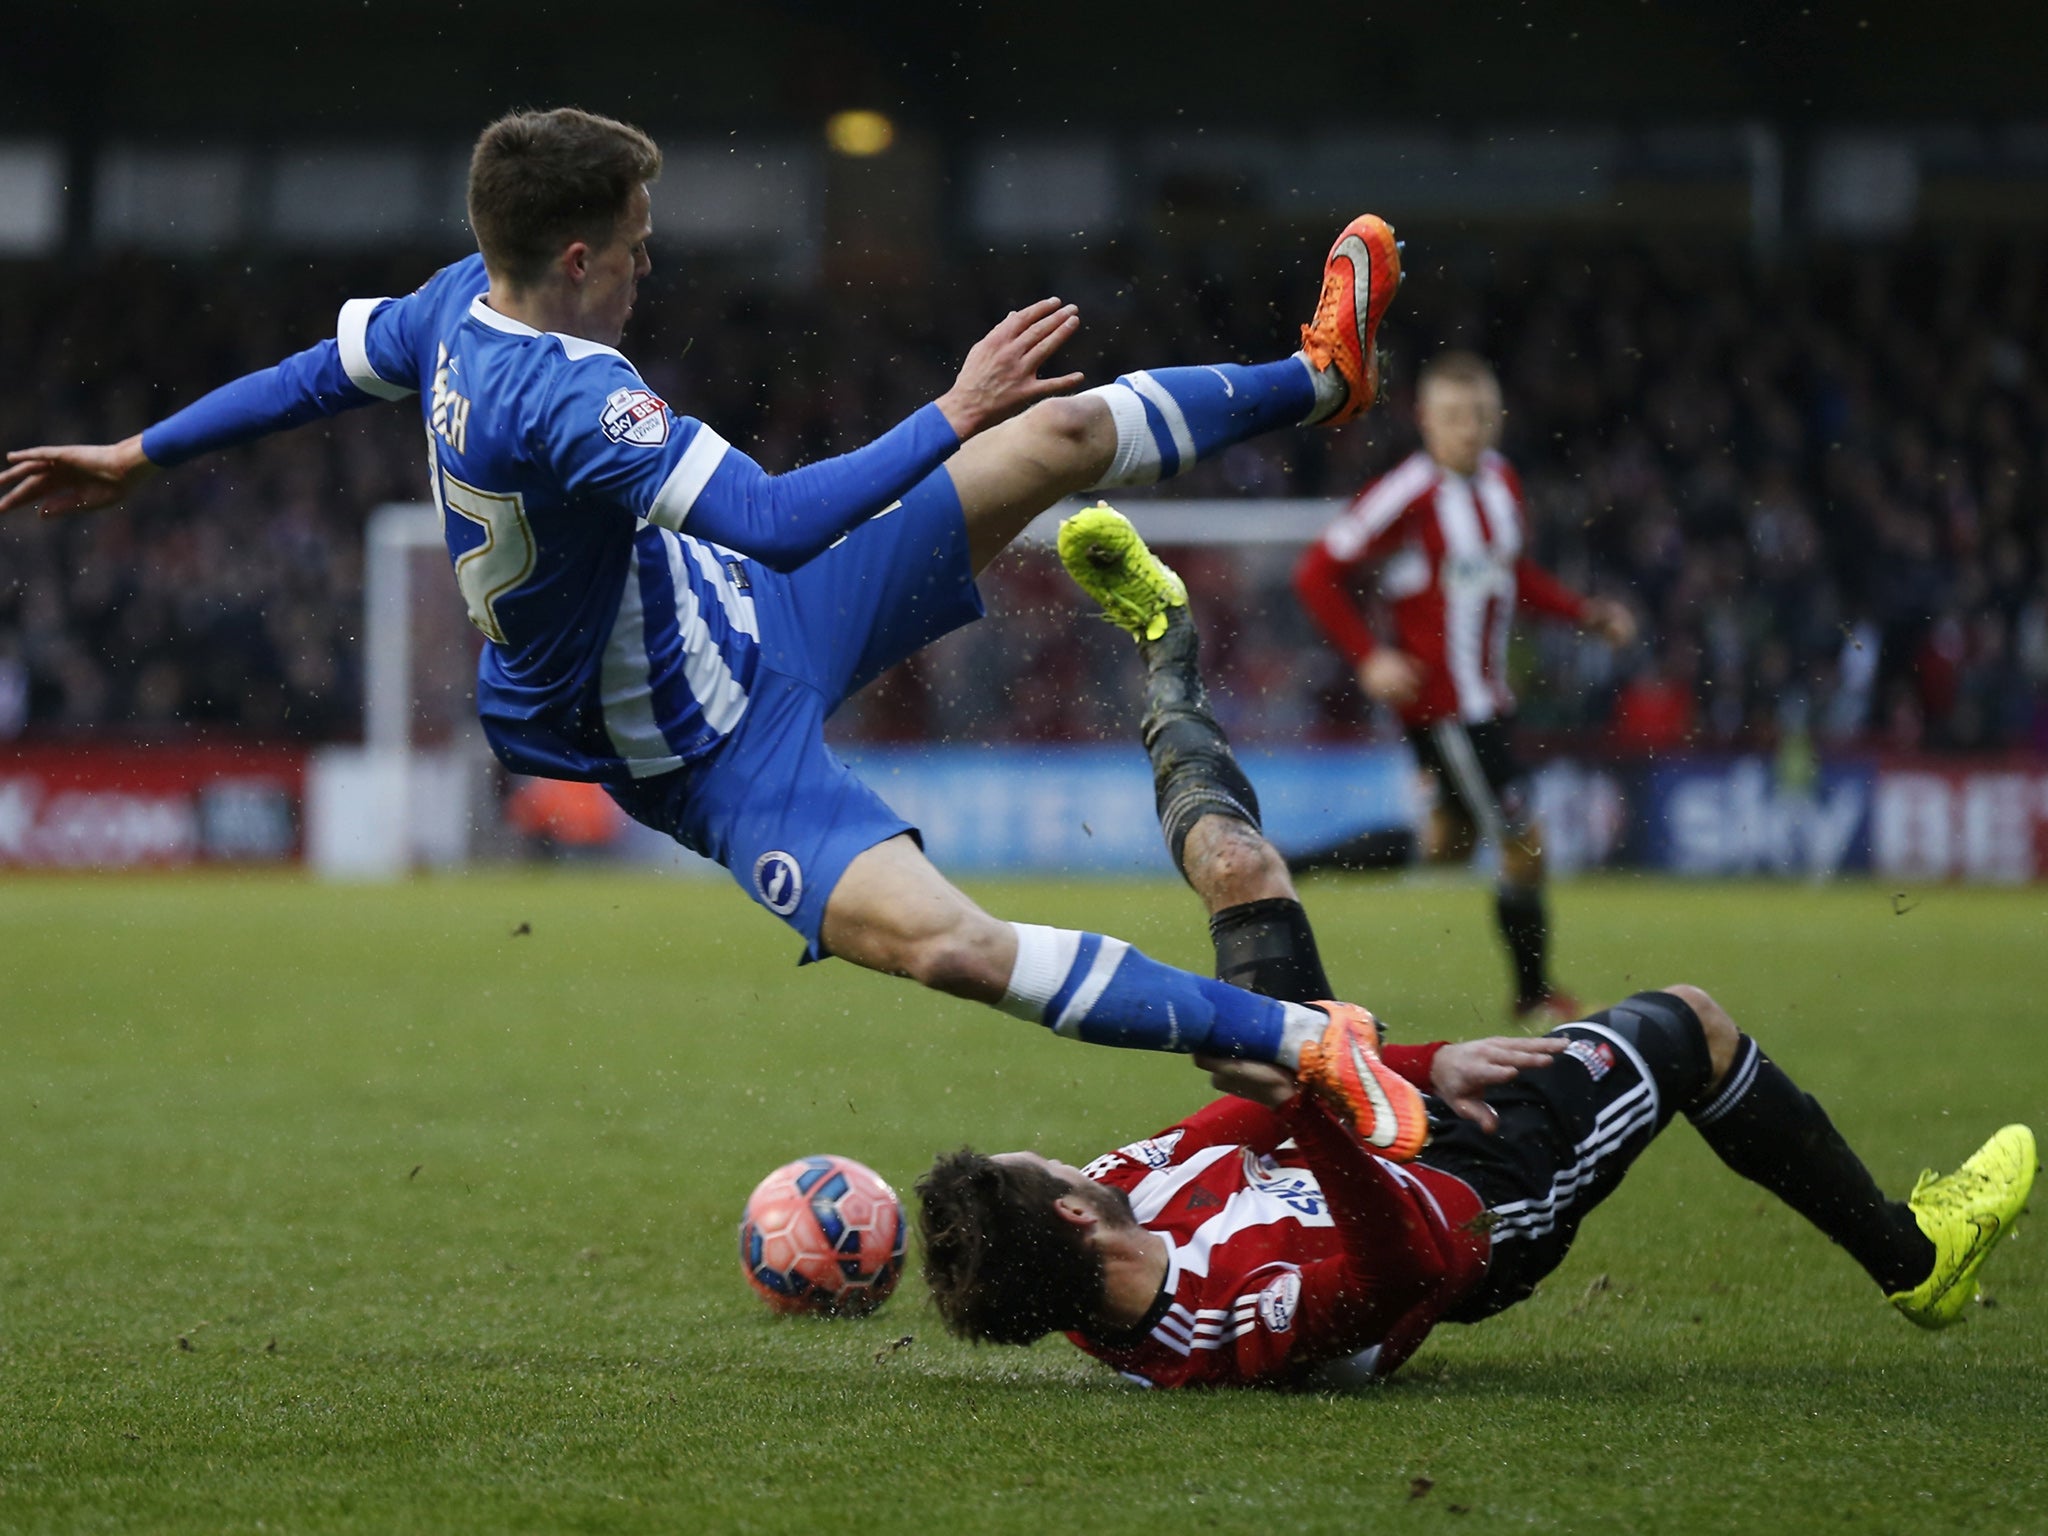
1821, 482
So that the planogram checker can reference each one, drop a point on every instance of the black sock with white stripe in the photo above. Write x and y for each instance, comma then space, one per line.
1525, 926
1760, 1124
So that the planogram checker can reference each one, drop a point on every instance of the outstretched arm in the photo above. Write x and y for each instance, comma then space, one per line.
1458, 1073
371, 357
73, 479
715, 492
78, 478
1540, 592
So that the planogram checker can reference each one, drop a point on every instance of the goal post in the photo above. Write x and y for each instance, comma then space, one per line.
397, 532
410, 796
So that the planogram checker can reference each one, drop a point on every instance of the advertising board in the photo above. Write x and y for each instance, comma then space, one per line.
107, 805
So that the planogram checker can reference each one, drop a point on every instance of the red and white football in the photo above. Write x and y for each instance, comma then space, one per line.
823, 1235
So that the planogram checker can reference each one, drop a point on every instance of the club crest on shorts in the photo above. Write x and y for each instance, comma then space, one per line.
635, 416
779, 881
1596, 1056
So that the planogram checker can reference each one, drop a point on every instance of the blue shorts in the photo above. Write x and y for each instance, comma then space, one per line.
774, 804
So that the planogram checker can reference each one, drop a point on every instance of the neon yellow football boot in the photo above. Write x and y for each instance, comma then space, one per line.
1964, 1214
1134, 588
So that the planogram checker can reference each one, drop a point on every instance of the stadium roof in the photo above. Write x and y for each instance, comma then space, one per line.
121, 66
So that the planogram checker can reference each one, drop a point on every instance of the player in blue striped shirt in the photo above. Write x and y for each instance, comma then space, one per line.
669, 620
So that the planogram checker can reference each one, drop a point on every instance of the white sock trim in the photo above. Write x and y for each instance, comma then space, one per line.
1301, 1025
1137, 460
1093, 985
1330, 390
1735, 1088
1044, 957
1169, 408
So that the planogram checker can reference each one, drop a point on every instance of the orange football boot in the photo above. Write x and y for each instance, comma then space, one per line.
1344, 1070
1359, 278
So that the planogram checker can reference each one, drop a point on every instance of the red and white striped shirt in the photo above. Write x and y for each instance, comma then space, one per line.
1289, 1246
1448, 549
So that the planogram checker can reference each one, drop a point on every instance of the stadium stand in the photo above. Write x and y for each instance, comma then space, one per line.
1820, 481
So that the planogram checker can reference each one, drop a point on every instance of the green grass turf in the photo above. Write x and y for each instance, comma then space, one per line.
351, 1209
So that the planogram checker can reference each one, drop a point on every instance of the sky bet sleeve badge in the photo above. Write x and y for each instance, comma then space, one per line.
635, 416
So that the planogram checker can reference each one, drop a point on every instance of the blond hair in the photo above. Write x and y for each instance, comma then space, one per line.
1457, 366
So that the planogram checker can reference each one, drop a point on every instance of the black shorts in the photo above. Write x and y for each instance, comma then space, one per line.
1568, 1132
1477, 772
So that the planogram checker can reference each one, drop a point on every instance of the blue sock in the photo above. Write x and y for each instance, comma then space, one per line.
1103, 991
1168, 418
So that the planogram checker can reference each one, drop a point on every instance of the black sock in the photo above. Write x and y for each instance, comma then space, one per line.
1387, 848
1194, 772
1526, 927
1268, 947
1760, 1124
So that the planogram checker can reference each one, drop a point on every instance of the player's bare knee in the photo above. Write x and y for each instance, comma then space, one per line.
1070, 432
957, 962
1715, 1021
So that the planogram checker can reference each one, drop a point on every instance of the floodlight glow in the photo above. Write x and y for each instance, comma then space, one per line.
859, 133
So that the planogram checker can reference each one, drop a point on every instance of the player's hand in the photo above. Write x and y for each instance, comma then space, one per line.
1000, 377
1259, 1081
1463, 1071
1390, 677
72, 479
1610, 620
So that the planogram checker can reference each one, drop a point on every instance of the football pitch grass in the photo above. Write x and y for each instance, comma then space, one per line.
412, 1209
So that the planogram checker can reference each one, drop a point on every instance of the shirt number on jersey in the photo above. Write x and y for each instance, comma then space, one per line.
501, 562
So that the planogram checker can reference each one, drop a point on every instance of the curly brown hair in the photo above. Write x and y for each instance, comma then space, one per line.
539, 180
1003, 1266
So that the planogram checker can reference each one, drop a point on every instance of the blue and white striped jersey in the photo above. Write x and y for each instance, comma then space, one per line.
620, 645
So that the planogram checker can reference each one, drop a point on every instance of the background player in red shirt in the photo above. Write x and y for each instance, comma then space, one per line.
1256, 1241
1445, 533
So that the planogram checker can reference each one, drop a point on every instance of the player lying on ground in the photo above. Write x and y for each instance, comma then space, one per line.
1445, 531
1258, 1241
666, 619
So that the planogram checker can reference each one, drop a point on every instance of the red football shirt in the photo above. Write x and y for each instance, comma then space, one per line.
1448, 552
1289, 1246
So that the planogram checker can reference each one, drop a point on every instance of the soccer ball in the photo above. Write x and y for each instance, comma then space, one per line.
824, 1235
